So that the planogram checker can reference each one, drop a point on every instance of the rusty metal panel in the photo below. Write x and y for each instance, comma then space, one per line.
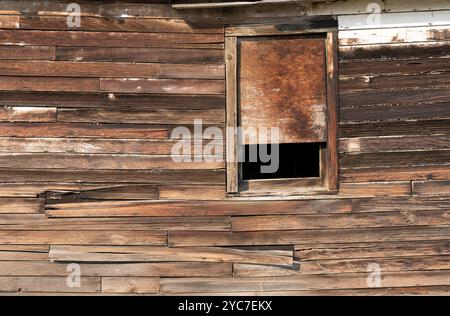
282, 83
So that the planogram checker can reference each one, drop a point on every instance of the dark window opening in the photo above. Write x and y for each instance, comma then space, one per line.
295, 161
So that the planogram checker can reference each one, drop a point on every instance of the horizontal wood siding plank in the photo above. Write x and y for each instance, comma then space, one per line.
110, 39
200, 208
139, 55
27, 114
28, 52
74, 237
49, 84
180, 86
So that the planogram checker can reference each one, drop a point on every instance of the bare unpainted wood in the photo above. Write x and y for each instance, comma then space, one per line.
198, 208
86, 145
231, 114
304, 282
268, 95
395, 188
431, 187
49, 84
92, 161
175, 86
9, 22
27, 114
293, 222
111, 39
141, 224
21, 205
400, 204
83, 130
114, 70
142, 116
138, 55
48, 284
154, 25
394, 143
116, 192
113, 100
191, 192
395, 159
156, 269
200, 239
346, 266
139, 285
376, 250
156, 254
332, 158
395, 173
152, 176
76, 237
28, 52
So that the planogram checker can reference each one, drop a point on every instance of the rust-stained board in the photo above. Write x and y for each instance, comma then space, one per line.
281, 82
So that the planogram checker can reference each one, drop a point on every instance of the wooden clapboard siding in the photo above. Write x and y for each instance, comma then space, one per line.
86, 173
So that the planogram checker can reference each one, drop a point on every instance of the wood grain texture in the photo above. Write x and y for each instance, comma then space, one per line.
270, 98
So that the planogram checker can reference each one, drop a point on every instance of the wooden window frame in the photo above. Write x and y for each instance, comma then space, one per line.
328, 181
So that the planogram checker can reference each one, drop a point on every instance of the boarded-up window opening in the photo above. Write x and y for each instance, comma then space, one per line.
287, 82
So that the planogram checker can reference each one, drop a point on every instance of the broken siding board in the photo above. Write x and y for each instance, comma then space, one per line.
74, 237
110, 39
155, 254
27, 114
294, 222
158, 269
139, 285
83, 130
198, 208
141, 116
201, 239
98, 161
28, 52
394, 143
174, 86
102, 69
431, 187
139, 55
49, 84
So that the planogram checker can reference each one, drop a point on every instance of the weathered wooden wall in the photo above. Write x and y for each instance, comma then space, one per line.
86, 174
